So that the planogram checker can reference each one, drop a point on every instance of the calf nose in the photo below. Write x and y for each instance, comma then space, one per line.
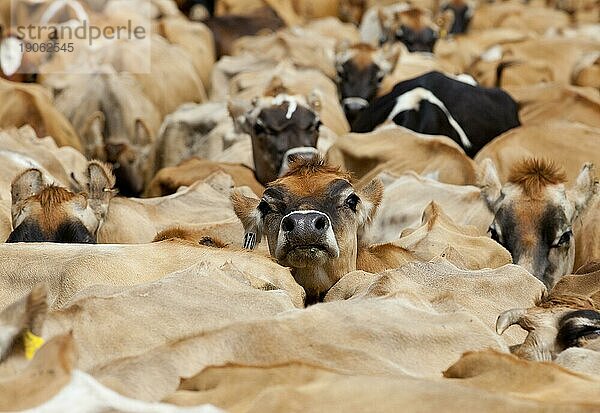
354, 104
306, 225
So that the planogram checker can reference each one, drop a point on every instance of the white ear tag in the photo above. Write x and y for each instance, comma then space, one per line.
11, 55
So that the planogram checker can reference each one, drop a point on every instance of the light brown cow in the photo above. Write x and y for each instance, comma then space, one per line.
31, 104
398, 150
518, 16
168, 180
405, 197
567, 317
534, 214
43, 212
546, 102
311, 218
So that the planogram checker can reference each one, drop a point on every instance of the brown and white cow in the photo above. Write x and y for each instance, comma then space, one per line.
278, 123
312, 217
534, 214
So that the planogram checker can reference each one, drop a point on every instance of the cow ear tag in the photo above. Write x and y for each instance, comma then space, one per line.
250, 240
31, 343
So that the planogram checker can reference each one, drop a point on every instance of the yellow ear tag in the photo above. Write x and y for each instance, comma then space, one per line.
32, 343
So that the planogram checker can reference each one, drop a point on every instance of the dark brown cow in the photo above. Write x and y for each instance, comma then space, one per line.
413, 27
311, 218
360, 69
227, 29
535, 213
278, 123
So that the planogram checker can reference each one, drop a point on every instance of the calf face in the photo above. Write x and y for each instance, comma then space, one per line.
49, 213
352, 11
413, 27
311, 217
460, 13
360, 70
534, 215
276, 125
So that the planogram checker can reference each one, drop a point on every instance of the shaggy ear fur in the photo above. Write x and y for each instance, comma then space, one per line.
100, 183
586, 186
489, 182
371, 196
27, 184
28, 313
247, 211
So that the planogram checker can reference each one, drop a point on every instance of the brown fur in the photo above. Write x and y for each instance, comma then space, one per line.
363, 57
378, 258
533, 175
571, 301
188, 235
413, 18
310, 176
52, 196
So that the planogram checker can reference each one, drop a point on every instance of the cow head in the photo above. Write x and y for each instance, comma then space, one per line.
130, 160
352, 11
460, 13
361, 69
44, 212
534, 214
413, 27
277, 123
311, 218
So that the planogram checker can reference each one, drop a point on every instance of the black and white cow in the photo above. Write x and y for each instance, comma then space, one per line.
436, 104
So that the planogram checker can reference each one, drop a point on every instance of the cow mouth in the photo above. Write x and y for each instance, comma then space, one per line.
300, 256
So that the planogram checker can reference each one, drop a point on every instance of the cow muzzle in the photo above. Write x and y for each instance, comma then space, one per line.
306, 238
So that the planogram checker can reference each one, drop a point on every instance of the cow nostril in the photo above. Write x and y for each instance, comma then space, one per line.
288, 224
320, 223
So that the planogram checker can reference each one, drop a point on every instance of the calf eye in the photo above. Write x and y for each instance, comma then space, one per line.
264, 208
352, 201
380, 76
564, 239
494, 234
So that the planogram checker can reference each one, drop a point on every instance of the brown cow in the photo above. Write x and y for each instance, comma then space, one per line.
567, 317
311, 218
535, 214
42, 212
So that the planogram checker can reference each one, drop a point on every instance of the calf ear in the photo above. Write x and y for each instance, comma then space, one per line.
488, 181
25, 185
240, 113
142, 132
247, 211
100, 183
586, 186
94, 136
388, 57
370, 196
26, 314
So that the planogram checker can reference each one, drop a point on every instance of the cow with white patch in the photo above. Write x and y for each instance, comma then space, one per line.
436, 104
279, 124
534, 214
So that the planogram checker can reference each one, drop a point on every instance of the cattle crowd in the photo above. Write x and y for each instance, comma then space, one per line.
302, 206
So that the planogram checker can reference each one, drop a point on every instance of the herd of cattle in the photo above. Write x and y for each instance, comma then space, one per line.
304, 206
